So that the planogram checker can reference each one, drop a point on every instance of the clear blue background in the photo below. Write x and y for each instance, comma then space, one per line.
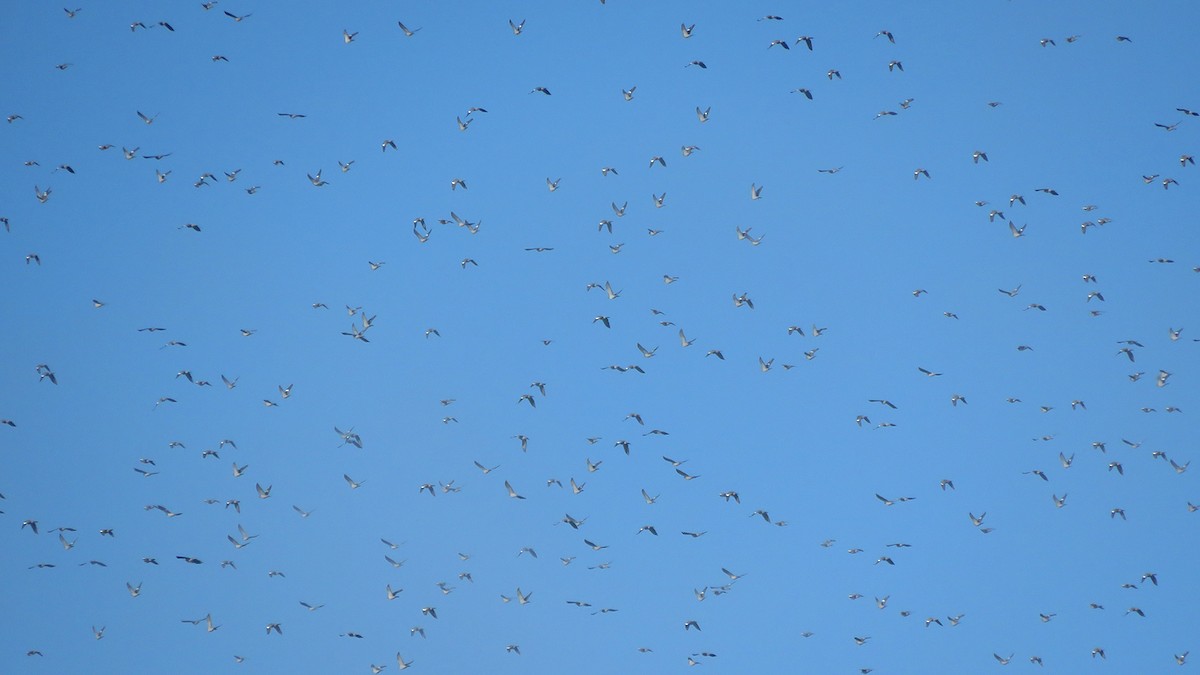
842, 251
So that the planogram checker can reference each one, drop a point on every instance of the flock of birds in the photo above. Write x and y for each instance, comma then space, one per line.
501, 473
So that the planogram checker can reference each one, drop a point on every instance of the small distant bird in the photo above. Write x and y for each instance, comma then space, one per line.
511, 492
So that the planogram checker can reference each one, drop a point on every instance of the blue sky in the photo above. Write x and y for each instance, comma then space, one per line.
841, 251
